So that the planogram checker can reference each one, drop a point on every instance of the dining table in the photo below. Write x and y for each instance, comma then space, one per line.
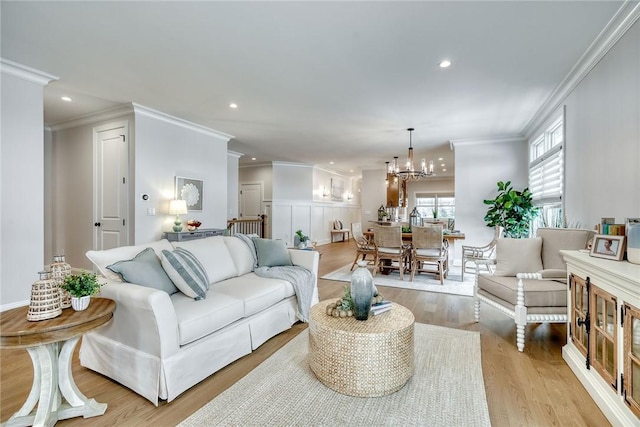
449, 238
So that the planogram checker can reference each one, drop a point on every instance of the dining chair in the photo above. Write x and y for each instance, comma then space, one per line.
364, 247
480, 253
428, 248
390, 251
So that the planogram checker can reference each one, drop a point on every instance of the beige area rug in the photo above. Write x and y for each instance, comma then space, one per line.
447, 389
421, 282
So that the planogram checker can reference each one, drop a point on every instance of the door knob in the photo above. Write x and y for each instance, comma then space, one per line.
97, 224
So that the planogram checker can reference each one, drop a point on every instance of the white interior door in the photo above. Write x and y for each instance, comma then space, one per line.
250, 200
112, 184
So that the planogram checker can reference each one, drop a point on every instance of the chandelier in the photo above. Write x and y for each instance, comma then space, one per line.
409, 173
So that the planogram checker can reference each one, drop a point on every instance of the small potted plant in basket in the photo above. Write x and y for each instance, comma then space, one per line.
81, 287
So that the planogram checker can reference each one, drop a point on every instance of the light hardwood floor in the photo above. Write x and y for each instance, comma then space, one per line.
534, 388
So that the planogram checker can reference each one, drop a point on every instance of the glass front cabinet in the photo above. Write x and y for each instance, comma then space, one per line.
603, 340
632, 357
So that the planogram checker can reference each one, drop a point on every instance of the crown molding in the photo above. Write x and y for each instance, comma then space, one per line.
26, 73
92, 118
624, 18
255, 165
490, 140
298, 165
158, 115
332, 172
234, 154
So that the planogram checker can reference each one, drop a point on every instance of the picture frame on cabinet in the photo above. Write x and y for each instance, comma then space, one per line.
190, 189
608, 247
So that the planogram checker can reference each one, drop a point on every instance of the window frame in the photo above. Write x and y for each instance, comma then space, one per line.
436, 196
546, 173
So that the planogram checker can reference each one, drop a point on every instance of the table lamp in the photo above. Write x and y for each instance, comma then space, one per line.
177, 208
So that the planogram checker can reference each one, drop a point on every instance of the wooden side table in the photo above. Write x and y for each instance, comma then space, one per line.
51, 344
364, 358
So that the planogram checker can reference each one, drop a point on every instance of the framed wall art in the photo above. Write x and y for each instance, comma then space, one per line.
337, 190
608, 246
190, 190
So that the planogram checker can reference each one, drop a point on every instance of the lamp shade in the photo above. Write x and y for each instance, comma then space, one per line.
178, 207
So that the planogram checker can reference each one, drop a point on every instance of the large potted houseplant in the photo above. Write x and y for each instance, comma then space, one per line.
511, 209
81, 287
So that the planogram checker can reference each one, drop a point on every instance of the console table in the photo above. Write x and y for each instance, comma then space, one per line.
51, 344
603, 343
183, 236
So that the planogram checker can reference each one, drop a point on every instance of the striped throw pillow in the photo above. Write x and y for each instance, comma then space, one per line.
186, 272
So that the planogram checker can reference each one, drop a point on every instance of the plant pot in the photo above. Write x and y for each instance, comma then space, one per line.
80, 303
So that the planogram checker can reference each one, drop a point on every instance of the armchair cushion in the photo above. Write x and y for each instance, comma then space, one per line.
554, 273
554, 239
537, 293
515, 256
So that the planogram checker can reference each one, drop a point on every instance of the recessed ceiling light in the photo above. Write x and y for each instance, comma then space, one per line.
440, 158
66, 98
233, 105
253, 158
444, 170
442, 165
351, 171
330, 163
445, 63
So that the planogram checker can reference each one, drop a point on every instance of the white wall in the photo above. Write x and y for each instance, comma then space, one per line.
165, 149
21, 182
291, 205
373, 195
479, 166
233, 189
602, 156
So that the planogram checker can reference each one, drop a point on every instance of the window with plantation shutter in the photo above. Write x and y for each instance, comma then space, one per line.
546, 173
545, 177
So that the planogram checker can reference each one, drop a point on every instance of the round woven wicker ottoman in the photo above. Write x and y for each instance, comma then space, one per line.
366, 358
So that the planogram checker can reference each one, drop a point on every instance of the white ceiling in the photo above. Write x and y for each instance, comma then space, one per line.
315, 81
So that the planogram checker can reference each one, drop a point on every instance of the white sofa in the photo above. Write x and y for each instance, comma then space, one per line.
160, 344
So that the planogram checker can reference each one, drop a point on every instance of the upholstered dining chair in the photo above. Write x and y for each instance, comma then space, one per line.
428, 248
481, 253
364, 247
390, 251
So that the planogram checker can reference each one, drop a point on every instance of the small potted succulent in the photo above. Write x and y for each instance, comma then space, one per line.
81, 287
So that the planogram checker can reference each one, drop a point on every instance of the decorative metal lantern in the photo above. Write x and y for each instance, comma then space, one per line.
415, 219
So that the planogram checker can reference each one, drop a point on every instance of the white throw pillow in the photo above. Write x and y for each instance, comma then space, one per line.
241, 254
214, 256
515, 256
186, 272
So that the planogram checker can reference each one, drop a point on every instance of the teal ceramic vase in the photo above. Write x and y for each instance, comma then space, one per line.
362, 290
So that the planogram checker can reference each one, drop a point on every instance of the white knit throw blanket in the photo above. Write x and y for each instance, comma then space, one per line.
300, 278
